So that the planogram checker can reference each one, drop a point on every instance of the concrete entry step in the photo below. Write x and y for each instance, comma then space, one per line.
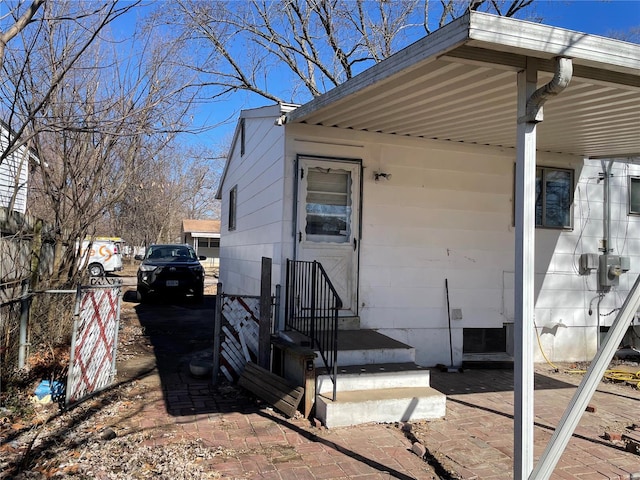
374, 376
385, 405
360, 347
348, 323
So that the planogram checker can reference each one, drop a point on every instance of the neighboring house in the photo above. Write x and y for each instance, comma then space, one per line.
204, 237
14, 172
401, 183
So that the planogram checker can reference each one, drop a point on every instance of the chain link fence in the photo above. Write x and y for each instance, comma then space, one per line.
36, 334
9, 336
26, 255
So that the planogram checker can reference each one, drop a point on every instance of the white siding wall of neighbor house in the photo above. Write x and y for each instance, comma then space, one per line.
13, 176
447, 213
259, 176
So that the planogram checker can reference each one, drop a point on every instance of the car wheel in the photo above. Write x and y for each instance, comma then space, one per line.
143, 296
96, 270
198, 294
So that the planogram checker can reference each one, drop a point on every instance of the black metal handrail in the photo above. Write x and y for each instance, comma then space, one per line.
312, 305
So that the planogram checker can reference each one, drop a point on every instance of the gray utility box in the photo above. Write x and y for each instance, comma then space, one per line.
610, 269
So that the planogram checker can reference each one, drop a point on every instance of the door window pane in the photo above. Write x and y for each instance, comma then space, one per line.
328, 205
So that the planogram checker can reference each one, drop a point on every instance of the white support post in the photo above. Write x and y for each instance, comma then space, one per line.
590, 382
524, 276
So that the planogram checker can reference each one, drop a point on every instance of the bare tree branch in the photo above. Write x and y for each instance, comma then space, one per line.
20, 23
276, 48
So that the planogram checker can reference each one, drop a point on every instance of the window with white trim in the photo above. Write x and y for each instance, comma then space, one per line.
634, 195
554, 197
233, 199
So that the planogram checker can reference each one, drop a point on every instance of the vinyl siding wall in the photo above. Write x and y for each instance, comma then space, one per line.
259, 177
447, 213
13, 176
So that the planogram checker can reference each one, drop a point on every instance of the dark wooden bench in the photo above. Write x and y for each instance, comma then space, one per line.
273, 389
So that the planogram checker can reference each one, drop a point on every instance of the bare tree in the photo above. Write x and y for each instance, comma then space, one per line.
291, 50
180, 183
92, 116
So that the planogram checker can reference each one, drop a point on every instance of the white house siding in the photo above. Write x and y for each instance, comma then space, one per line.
446, 213
259, 177
13, 176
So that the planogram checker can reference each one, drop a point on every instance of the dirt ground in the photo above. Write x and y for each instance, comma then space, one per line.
97, 439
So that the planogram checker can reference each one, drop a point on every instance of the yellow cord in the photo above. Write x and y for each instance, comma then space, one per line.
535, 327
613, 375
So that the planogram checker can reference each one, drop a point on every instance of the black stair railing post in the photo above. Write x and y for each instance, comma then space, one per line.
312, 306
314, 269
337, 305
288, 311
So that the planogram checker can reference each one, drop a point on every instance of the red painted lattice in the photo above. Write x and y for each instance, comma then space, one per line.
95, 336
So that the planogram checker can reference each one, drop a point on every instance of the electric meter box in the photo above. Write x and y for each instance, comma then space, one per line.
588, 262
610, 269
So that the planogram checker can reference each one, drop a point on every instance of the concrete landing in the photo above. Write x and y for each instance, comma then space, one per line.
360, 347
384, 405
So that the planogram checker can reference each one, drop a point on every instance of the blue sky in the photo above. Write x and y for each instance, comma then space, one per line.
598, 17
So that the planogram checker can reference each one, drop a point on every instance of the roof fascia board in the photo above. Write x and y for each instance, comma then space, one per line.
424, 50
234, 140
514, 62
204, 235
268, 111
538, 40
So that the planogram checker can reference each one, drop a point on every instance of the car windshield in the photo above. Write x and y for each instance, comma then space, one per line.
165, 252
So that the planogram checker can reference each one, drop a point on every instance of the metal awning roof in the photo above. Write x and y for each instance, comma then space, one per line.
459, 84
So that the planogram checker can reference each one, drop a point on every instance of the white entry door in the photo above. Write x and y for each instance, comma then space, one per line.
328, 222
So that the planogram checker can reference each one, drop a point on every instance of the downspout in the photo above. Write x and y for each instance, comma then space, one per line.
560, 81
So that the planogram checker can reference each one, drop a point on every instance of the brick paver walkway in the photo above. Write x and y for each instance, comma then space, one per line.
474, 441
477, 435
258, 443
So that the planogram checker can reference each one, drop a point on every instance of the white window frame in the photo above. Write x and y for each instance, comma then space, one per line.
233, 206
543, 171
633, 178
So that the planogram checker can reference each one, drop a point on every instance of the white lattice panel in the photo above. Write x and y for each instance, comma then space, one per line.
240, 332
94, 342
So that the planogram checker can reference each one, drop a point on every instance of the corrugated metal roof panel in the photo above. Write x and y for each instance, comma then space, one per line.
468, 94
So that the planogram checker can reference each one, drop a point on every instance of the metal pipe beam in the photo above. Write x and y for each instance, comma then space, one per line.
587, 388
524, 276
